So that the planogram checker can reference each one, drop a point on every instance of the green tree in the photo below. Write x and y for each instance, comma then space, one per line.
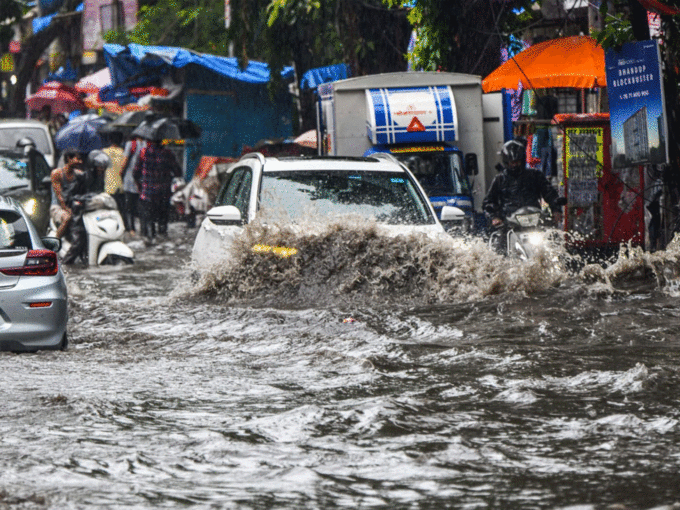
193, 24
463, 36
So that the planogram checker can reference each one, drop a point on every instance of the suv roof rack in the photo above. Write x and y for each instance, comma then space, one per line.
256, 155
388, 157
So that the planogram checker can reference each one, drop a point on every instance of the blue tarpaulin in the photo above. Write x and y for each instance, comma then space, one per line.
135, 65
64, 73
44, 21
314, 77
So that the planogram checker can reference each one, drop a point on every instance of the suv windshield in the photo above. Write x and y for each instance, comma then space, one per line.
438, 173
387, 197
13, 232
14, 174
10, 136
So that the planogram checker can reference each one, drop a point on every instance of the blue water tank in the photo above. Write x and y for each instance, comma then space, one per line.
49, 6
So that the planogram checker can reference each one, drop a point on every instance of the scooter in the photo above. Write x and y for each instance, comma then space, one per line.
102, 225
529, 231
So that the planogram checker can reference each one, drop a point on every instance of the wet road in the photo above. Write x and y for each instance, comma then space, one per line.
363, 374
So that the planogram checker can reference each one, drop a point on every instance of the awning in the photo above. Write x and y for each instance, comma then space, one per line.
137, 65
570, 62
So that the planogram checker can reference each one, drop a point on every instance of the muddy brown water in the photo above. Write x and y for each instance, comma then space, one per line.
362, 373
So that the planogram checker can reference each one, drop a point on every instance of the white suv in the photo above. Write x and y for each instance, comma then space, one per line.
291, 190
13, 130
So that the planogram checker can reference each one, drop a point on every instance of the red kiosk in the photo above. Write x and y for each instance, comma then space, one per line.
605, 207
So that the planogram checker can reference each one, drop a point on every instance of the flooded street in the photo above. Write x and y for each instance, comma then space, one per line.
365, 374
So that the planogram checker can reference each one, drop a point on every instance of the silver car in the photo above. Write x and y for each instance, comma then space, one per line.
33, 299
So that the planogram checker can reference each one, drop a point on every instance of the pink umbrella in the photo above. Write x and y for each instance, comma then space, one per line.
95, 81
59, 97
307, 139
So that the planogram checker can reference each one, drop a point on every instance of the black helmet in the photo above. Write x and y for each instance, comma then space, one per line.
513, 152
24, 143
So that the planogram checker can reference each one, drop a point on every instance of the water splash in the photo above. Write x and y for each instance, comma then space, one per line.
347, 263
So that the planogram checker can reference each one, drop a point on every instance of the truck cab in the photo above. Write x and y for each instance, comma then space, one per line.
439, 125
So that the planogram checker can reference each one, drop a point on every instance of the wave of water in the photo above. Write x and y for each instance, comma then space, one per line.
343, 264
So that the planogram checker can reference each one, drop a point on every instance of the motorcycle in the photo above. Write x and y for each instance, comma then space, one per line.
529, 231
96, 218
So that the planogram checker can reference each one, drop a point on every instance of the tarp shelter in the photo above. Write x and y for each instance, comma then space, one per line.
231, 105
315, 77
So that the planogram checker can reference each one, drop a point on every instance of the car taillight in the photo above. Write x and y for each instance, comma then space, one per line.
38, 263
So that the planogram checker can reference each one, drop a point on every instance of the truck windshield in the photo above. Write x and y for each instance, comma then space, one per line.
439, 173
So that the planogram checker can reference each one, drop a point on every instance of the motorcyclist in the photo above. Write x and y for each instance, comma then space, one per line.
67, 182
518, 186
97, 163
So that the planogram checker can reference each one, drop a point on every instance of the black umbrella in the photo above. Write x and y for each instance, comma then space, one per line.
157, 130
167, 129
126, 123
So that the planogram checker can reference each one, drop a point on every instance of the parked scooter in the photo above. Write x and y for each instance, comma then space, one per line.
529, 231
96, 218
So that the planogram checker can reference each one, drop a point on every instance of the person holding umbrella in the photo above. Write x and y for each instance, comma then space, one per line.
153, 174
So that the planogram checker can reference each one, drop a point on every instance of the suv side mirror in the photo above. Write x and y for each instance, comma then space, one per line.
471, 167
52, 243
225, 215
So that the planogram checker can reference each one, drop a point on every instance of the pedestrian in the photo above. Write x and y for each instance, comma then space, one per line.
131, 154
113, 180
154, 171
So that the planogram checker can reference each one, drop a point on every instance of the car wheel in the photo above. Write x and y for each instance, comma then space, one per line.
64, 343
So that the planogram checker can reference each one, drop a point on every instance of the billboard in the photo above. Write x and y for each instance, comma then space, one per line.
584, 158
636, 105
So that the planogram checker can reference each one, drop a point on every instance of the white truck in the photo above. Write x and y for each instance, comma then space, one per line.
440, 125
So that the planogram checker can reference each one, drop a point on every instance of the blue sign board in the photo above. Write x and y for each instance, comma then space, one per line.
636, 105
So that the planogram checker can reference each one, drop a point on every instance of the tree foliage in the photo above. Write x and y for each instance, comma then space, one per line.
463, 35
193, 24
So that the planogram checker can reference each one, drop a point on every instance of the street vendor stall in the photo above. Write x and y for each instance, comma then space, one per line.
605, 207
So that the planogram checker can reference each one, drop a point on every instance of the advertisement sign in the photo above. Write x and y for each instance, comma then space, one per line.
636, 105
584, 157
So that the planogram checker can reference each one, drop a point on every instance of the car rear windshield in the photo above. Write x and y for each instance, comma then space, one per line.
13, 232
387, 197
10, 136
14, 174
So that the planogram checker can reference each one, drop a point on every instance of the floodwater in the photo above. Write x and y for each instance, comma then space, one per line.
360, 373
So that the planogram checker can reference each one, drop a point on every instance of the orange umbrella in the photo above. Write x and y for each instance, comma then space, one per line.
576, 62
